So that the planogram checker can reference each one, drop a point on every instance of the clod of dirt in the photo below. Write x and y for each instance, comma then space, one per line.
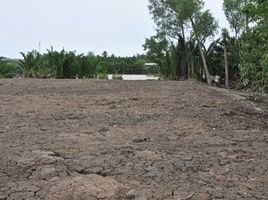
185, 157
47, 172
141, 139
85, 187
148, 155
134, 98
140, 194
38, 156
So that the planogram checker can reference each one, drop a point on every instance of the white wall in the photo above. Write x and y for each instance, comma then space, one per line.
135, 77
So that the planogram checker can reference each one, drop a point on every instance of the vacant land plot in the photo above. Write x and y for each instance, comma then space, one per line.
87, 139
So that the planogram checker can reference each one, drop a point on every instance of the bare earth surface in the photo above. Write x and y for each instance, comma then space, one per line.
87, 139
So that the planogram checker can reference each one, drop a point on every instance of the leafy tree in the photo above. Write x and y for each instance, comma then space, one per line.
65, 64
8, 68
236, 15
30, 63
223, 58
157, 49
173, 17
254, 52
55, 60
171, 26
105, 54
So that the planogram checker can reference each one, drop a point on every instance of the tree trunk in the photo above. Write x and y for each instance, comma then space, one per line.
204, 62
226, 68
183, 65
247, 17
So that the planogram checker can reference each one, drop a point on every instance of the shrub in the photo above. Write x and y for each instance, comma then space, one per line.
117, 77
102, 76
8, 69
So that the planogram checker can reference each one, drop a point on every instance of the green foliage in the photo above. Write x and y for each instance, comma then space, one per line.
183, 28
205, 25
254, 63
102, 67
102, 76
234, 12
215, 57
173, 62
249, 20
31, 64
190, 14
157, 49
176, 19
64, 65
178, 49
8, 69
254, 53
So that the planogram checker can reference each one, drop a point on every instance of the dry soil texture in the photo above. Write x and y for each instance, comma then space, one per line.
87, 139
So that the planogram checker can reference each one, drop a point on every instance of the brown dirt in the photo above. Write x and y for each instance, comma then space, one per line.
88, 139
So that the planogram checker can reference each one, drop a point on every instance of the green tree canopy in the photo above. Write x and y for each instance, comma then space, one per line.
175, 17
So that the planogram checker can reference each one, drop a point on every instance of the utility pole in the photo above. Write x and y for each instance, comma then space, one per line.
39, 45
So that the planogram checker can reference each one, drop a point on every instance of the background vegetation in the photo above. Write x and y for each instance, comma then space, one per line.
184, 47
54, 64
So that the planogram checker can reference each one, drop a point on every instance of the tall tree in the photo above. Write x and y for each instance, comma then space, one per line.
254, 53
157, 49
172, 27
173, 17
236, 15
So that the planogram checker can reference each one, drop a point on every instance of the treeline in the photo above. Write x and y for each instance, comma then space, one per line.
185, 46
184, 28
63, 64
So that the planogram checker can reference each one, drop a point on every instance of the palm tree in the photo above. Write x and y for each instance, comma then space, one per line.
223, 58
30, 63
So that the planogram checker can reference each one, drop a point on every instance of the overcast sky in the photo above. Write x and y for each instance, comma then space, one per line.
117, 26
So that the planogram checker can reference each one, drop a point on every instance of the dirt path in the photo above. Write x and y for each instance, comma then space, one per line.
86, 139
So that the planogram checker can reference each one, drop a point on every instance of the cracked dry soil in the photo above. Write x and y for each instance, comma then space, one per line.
89, 139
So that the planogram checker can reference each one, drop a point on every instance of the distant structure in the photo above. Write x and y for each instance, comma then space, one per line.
4, 59
150, 64
134, 77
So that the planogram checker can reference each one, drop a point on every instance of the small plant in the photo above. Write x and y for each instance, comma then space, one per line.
102, 76
117, 77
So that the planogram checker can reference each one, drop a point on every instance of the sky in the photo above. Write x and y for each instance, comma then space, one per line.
116, 26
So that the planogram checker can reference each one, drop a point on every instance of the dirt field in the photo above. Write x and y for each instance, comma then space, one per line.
87, 139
